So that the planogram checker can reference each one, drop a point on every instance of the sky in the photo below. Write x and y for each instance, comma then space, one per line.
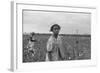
70, 22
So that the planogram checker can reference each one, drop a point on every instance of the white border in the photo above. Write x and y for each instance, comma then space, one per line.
13, 36
17, 52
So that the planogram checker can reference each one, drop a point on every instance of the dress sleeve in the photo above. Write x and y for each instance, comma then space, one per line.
61, 49
49, 45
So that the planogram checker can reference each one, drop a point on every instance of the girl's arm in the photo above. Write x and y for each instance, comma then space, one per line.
49, 46
49, 50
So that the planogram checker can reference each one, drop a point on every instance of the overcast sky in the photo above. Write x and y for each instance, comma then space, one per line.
71, 23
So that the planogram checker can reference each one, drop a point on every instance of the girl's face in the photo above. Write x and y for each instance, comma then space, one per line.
56, 30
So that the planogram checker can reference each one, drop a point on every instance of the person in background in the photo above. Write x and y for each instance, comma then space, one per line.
31, 44
55, 49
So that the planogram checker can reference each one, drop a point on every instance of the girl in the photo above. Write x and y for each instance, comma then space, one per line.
55, 50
